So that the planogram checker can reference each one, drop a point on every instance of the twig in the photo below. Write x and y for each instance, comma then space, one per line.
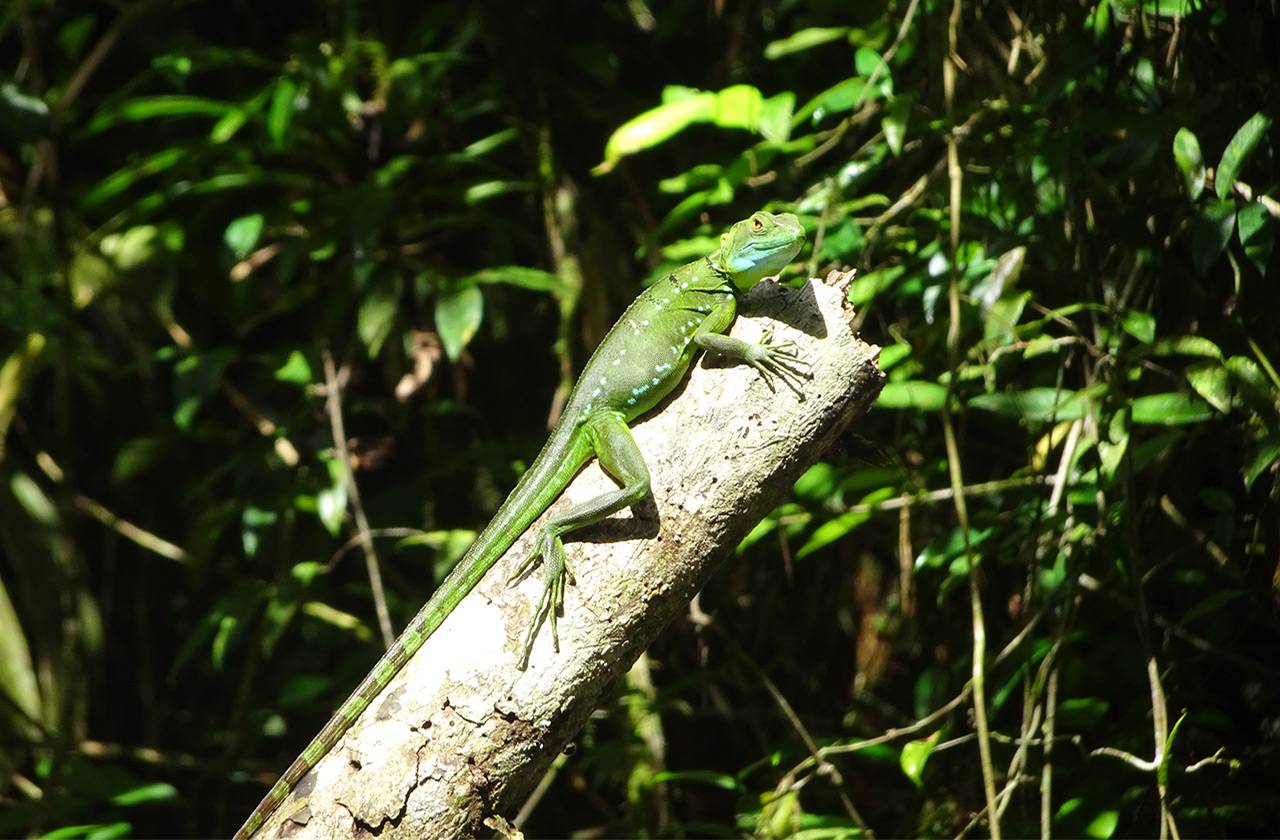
131, 532
373, 532
333, 403
823, 767
1046, 771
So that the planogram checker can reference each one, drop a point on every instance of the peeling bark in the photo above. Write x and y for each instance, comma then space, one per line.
461, 735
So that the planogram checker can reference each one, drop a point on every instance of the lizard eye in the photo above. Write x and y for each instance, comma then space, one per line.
757, 225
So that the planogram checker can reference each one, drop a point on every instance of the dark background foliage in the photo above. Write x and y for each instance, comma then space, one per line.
277, 275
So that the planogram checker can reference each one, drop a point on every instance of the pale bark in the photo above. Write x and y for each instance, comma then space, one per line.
461, 735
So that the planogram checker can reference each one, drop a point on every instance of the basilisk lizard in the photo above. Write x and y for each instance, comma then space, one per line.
641, 360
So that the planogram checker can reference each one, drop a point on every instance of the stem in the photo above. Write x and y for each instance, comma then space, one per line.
333, 403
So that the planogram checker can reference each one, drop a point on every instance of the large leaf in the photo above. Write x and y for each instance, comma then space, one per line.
1242, 145
1038, 404
458, 316
914, 394
1171, 409
1210, 233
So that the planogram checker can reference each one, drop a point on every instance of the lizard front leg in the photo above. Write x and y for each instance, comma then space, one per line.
620, 457
769, 358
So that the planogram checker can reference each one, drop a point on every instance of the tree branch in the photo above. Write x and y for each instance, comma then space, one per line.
461, 734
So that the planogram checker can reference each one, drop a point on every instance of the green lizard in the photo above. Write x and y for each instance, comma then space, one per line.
641, 360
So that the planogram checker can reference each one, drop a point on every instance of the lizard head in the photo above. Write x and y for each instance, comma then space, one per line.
759, 247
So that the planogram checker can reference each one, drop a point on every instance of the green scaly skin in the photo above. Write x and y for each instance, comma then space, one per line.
643, 358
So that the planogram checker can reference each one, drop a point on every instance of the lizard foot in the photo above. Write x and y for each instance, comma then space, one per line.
780, 359
556, 572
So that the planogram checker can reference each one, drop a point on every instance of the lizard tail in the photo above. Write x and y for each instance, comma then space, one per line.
556, 465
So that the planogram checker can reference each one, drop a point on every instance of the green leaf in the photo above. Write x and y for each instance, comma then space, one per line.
1171, 409
1264, 454
915, 754
865, 61
805, 39
738, 106
1209, 379
242, 234
655, 126
154, 107
331, 502
280, 111
1253, 383
1186, 345
517, 275
1038, 404
1242, 145
137, 455
1162, 773
194, 379
1102, 826
1186, 153
914, 394
18, 678
894, 122
702, 777
1140, 325
484, 145
834, 529
1257, 234
1002, 279
485, 190
120, 180
841, 96
776, 112
1210, 233
154, 792
296, 369
458, 316
377, 315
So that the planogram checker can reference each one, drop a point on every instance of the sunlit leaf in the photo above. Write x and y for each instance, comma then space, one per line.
1186, 153
296, 369
1265, 453
1210, 380
517, 275
1037, 404
1171, 409
1140, 325
914, 756
331, 502
458, 316
655, 126
485, 190
280, 111
804, 39
835, 529
1238, 151
914, 394
894, 122
377, 315
1185, 345
242, 234
154, 792
155, 107
120, 180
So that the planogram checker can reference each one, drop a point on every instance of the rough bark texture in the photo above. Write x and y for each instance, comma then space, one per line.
461, 735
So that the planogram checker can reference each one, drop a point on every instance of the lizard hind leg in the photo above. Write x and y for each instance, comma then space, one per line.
620, 457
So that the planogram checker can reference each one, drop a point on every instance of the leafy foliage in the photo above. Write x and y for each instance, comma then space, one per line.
274, 275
